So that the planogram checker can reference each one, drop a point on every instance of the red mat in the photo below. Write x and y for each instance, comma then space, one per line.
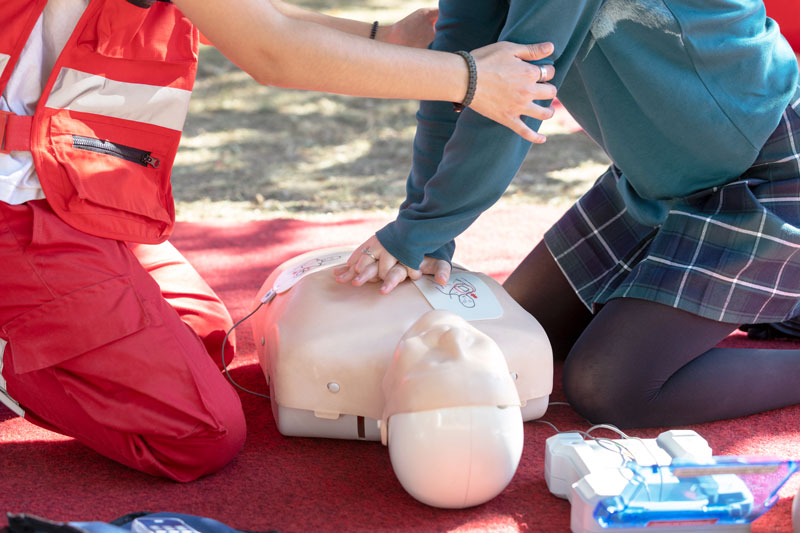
295, 484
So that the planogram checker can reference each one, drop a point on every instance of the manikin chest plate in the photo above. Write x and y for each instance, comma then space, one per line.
325, 346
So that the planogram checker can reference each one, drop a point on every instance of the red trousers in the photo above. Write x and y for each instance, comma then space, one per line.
116, 345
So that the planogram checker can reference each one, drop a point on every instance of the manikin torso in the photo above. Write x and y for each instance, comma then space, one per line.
325, 347
415, 369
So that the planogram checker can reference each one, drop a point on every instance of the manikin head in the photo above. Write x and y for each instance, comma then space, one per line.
451, 413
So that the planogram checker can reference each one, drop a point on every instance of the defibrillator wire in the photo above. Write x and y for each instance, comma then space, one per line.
601, 441
265, 299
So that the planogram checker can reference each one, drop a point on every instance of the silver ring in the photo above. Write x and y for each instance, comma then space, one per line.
542, 73
367, 251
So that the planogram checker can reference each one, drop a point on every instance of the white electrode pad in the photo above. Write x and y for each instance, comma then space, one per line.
464, 294
309, 263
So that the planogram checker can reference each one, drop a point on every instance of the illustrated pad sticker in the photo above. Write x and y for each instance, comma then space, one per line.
465, 294
327, 258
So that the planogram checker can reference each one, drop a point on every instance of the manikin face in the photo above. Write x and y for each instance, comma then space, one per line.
440, 340
442, 360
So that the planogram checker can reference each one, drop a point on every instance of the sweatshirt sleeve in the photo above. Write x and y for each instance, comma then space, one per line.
463, 163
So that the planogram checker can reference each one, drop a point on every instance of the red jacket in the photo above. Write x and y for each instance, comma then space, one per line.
787, 14
107, 127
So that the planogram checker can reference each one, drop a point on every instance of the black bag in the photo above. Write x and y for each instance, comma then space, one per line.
142, 522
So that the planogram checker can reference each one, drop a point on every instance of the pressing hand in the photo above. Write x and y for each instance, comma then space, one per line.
370, 262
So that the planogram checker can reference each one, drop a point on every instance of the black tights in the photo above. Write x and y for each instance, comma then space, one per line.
638, 363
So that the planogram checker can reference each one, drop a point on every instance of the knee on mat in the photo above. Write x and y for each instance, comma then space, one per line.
602, 397
207, 450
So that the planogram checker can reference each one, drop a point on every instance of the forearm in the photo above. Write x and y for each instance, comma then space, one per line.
450, 186
282, 51
460, 190
436, 121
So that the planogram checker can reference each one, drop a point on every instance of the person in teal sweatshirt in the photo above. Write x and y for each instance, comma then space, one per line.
693, 231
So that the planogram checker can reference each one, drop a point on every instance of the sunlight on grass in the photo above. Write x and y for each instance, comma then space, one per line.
323, 158
586, 170
215, 139
322, 105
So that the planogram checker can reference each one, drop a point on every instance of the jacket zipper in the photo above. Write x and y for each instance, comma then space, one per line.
134, 155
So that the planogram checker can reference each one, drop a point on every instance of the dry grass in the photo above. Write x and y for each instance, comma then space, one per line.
250, 151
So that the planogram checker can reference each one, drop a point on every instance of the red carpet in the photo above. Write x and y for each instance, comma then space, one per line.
294, 484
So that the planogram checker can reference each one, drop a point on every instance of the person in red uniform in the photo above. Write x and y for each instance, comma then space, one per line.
107, 334
787, 14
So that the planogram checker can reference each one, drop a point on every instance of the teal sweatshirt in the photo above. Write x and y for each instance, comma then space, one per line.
681, 94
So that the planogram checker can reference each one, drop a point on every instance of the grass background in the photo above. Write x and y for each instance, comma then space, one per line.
253, 152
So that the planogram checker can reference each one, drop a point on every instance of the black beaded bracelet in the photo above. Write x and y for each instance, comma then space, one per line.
374, 31
471, 85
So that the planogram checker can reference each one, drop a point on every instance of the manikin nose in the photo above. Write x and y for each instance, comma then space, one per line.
455, 341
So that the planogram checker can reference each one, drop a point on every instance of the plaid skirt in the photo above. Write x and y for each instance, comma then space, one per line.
730, 253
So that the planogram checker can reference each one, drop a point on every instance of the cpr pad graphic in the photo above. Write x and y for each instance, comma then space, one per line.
464, 294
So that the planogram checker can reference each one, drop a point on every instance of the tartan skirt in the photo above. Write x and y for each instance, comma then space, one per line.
730, 253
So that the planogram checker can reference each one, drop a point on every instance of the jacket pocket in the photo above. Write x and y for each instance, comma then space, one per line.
115, 166
75, 324
128, 153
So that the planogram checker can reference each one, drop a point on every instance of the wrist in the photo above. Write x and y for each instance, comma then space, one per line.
453, 69
393, 245
385, 33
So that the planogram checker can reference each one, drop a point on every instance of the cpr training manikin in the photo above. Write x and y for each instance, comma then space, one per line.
445, 376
